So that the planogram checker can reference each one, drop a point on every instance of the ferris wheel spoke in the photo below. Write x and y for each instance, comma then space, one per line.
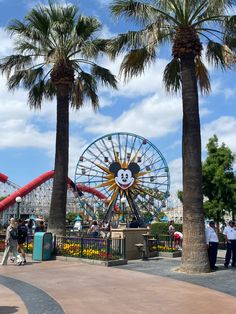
126, 145
90, 162
107, 150
119, 145
96, 157
132, 147
102, 153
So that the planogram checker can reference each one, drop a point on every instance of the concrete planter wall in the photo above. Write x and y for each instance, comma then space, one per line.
170, 254
132, 236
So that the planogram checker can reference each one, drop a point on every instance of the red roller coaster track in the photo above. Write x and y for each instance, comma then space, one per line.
11, 199
3, 178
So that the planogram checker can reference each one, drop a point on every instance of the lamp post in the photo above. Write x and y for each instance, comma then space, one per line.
18, 200
123, 202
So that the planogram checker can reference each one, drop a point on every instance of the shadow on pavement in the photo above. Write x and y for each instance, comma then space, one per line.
8, 309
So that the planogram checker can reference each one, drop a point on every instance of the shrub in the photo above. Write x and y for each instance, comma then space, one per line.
162, 228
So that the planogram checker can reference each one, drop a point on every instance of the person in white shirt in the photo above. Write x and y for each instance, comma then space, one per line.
212, 242
230, 236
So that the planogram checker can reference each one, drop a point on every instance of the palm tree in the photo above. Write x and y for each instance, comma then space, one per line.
55, 48
184, 24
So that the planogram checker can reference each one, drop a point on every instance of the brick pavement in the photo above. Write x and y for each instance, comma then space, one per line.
82, 288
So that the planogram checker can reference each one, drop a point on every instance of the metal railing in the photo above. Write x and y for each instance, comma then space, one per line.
83, 247
90, 248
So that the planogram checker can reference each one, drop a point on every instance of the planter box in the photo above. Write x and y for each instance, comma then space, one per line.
170, 254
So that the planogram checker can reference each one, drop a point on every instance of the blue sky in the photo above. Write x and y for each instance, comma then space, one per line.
27, 138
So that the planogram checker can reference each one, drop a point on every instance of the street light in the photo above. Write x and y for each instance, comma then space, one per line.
123, 202
18, 200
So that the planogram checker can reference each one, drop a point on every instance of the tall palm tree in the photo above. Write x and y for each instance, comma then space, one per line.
185, 25
55, 52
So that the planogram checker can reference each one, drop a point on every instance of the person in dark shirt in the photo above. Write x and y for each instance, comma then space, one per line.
40, 227
134, 223
22, 235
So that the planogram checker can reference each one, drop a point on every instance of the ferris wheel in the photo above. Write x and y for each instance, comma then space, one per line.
129, 170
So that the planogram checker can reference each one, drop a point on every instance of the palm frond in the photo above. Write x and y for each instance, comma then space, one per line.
202, 76
129, 40
135, 61
14, 63
77, 95
219, 55
220, 7
26, 77
91, 49
39, 20
40, 91
87, 26
104, 76
17, 27
230, 32
27, 48
144, 12
138, 11
89, 88
171, 76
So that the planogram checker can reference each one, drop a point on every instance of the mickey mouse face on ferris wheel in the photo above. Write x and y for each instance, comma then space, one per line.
124, 177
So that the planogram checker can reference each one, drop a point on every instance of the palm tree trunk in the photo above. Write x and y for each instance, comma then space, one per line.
194, 257
57, 216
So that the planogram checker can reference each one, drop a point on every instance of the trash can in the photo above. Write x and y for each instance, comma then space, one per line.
42, 246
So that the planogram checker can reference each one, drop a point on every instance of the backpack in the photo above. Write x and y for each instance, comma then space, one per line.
14, 234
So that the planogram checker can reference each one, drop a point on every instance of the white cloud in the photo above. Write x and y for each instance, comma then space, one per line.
151, 81
225, 129
153, 117
175, 167
6, 43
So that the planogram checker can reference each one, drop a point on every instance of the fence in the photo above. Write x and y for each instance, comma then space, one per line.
91, 248
168, 241
94, 248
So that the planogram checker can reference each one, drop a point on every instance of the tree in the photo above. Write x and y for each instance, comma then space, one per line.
218, 180
180, 196
55, 52
70, 217
184, 25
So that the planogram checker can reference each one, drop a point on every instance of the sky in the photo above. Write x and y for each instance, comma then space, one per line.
141, 106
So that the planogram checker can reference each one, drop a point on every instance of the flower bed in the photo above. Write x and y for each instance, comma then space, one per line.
91, 248
28, 247
162, 248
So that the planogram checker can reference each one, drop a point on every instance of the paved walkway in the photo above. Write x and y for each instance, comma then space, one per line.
223, 280
78, 288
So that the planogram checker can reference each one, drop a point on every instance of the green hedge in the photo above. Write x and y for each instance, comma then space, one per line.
162, 228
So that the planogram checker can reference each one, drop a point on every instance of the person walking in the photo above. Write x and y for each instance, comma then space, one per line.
212, 242
230, 237
11, 244
22, 235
